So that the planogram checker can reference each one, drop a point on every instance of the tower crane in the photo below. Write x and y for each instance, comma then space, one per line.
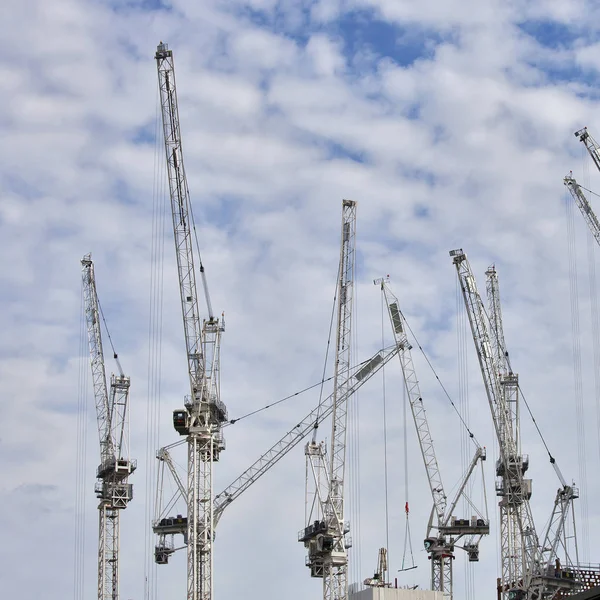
167, 527
450, 530
528, 567
204, 413
514, 491
112, 488
360, 375
325, 533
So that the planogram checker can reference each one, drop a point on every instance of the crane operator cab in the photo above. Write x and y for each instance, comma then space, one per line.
181, 422
517, 594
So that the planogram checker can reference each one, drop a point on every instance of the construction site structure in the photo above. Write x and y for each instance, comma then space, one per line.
389, 593
112, 488
531, 569
169, 526
200, 422
380, 577
449, 529
325, 533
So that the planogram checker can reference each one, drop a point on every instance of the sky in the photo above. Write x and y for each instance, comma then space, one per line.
450, 123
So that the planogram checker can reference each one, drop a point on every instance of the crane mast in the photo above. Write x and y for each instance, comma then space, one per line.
112, 487
441, 546
204, 412
527, 571
326, 542
510, 490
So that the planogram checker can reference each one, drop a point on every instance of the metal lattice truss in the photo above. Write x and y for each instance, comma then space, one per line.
204, 413
449, 529
583, 205
525, 562
270, 458
324, 535
112, 487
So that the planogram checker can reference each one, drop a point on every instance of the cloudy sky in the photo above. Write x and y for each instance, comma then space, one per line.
450, 122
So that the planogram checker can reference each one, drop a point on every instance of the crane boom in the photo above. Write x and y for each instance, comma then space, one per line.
439, 548
181, 213
583, 205
359, 377
204, 412
112, 487
416, 402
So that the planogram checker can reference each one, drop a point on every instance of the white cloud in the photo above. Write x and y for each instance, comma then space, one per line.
279, 125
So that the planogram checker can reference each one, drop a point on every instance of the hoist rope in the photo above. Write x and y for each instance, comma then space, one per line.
577, 369
462, 420
354, 483
159, 222
79, 546
201, 266
529, 411
585, 188
115, 355
272, 404
463, 403
593, 286
331, 320
407, 536
385, 447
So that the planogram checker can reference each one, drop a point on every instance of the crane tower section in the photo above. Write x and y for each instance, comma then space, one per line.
201, 420
325, 533
512, 491
112, 488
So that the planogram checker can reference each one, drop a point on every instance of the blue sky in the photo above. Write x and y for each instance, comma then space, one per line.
451, 123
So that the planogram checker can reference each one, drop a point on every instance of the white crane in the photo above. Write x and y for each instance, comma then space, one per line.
325, 533
360, 375
168, 527
450, 530
204, 415
528, 567
201, 420
112, 487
